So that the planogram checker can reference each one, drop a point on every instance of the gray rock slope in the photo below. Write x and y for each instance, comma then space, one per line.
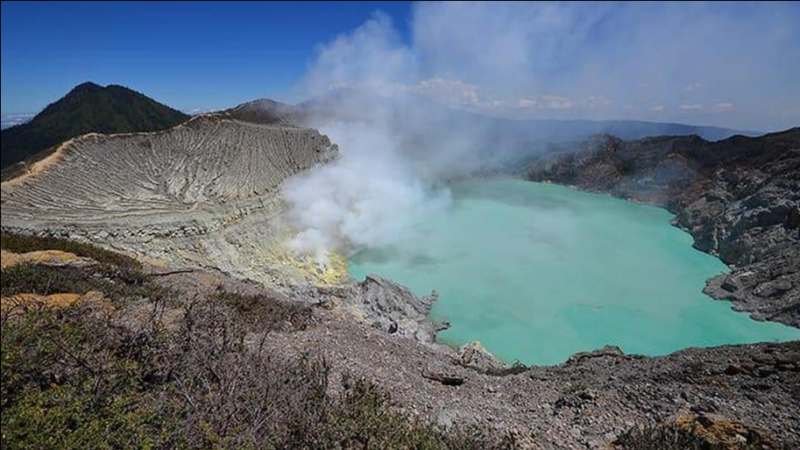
205, 193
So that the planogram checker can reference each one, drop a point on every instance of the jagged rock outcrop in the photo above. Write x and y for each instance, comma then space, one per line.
394, 308
475, 356
739, 198
205, 193
378, 302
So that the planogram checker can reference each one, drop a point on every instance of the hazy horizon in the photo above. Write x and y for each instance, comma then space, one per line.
723, 64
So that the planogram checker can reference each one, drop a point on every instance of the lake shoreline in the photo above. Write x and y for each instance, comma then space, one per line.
565, 204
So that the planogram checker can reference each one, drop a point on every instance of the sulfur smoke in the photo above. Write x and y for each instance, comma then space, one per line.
380, 187
410, 113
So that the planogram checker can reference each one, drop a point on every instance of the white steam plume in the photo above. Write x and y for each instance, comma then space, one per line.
369, 197
380, 98
374, 193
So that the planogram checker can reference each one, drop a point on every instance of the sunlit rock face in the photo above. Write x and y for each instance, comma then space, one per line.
205, 193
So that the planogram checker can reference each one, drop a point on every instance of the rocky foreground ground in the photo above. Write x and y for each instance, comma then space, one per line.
739, 198
728, 396
584, 403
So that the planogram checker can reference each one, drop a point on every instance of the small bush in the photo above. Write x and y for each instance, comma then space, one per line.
73, 379
674, 437
262, 313
661, 438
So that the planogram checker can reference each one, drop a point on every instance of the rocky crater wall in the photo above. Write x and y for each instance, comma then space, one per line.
739, 198
205, 193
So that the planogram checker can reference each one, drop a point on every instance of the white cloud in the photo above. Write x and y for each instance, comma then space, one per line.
450, 92
620, 50
546, 101
692, 107
596, 101
692, 87
503, 58
457, 93
658, 108
724, 107
556, 101
10, 120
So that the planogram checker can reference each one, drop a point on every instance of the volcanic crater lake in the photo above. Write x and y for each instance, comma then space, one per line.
538, 272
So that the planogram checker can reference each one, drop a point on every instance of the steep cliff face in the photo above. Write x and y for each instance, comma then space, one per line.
739, 198
747, 213
205, 193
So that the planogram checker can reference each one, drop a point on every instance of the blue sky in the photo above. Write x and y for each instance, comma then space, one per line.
202, 55
732, 64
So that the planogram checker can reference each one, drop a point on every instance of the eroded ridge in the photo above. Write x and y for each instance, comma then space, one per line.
156, 194
206, 162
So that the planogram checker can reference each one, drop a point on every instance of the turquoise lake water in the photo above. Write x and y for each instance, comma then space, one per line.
538, 272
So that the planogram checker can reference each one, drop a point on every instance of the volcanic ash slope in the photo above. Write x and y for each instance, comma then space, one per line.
205, 193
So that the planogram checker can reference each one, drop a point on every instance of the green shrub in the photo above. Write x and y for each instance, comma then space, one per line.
71, 379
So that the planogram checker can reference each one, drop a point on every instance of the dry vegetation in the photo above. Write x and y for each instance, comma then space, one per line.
673, 436
88, 376
18, 243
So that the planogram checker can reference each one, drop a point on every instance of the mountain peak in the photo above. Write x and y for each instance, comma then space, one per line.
87, 108
265, 111
86, 87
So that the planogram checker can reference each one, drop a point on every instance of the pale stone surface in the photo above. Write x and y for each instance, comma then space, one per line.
203, 194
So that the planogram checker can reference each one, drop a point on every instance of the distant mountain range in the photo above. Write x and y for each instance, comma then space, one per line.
569, 130
10, 120
488, 144
85, 109
414, 108
117, 109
